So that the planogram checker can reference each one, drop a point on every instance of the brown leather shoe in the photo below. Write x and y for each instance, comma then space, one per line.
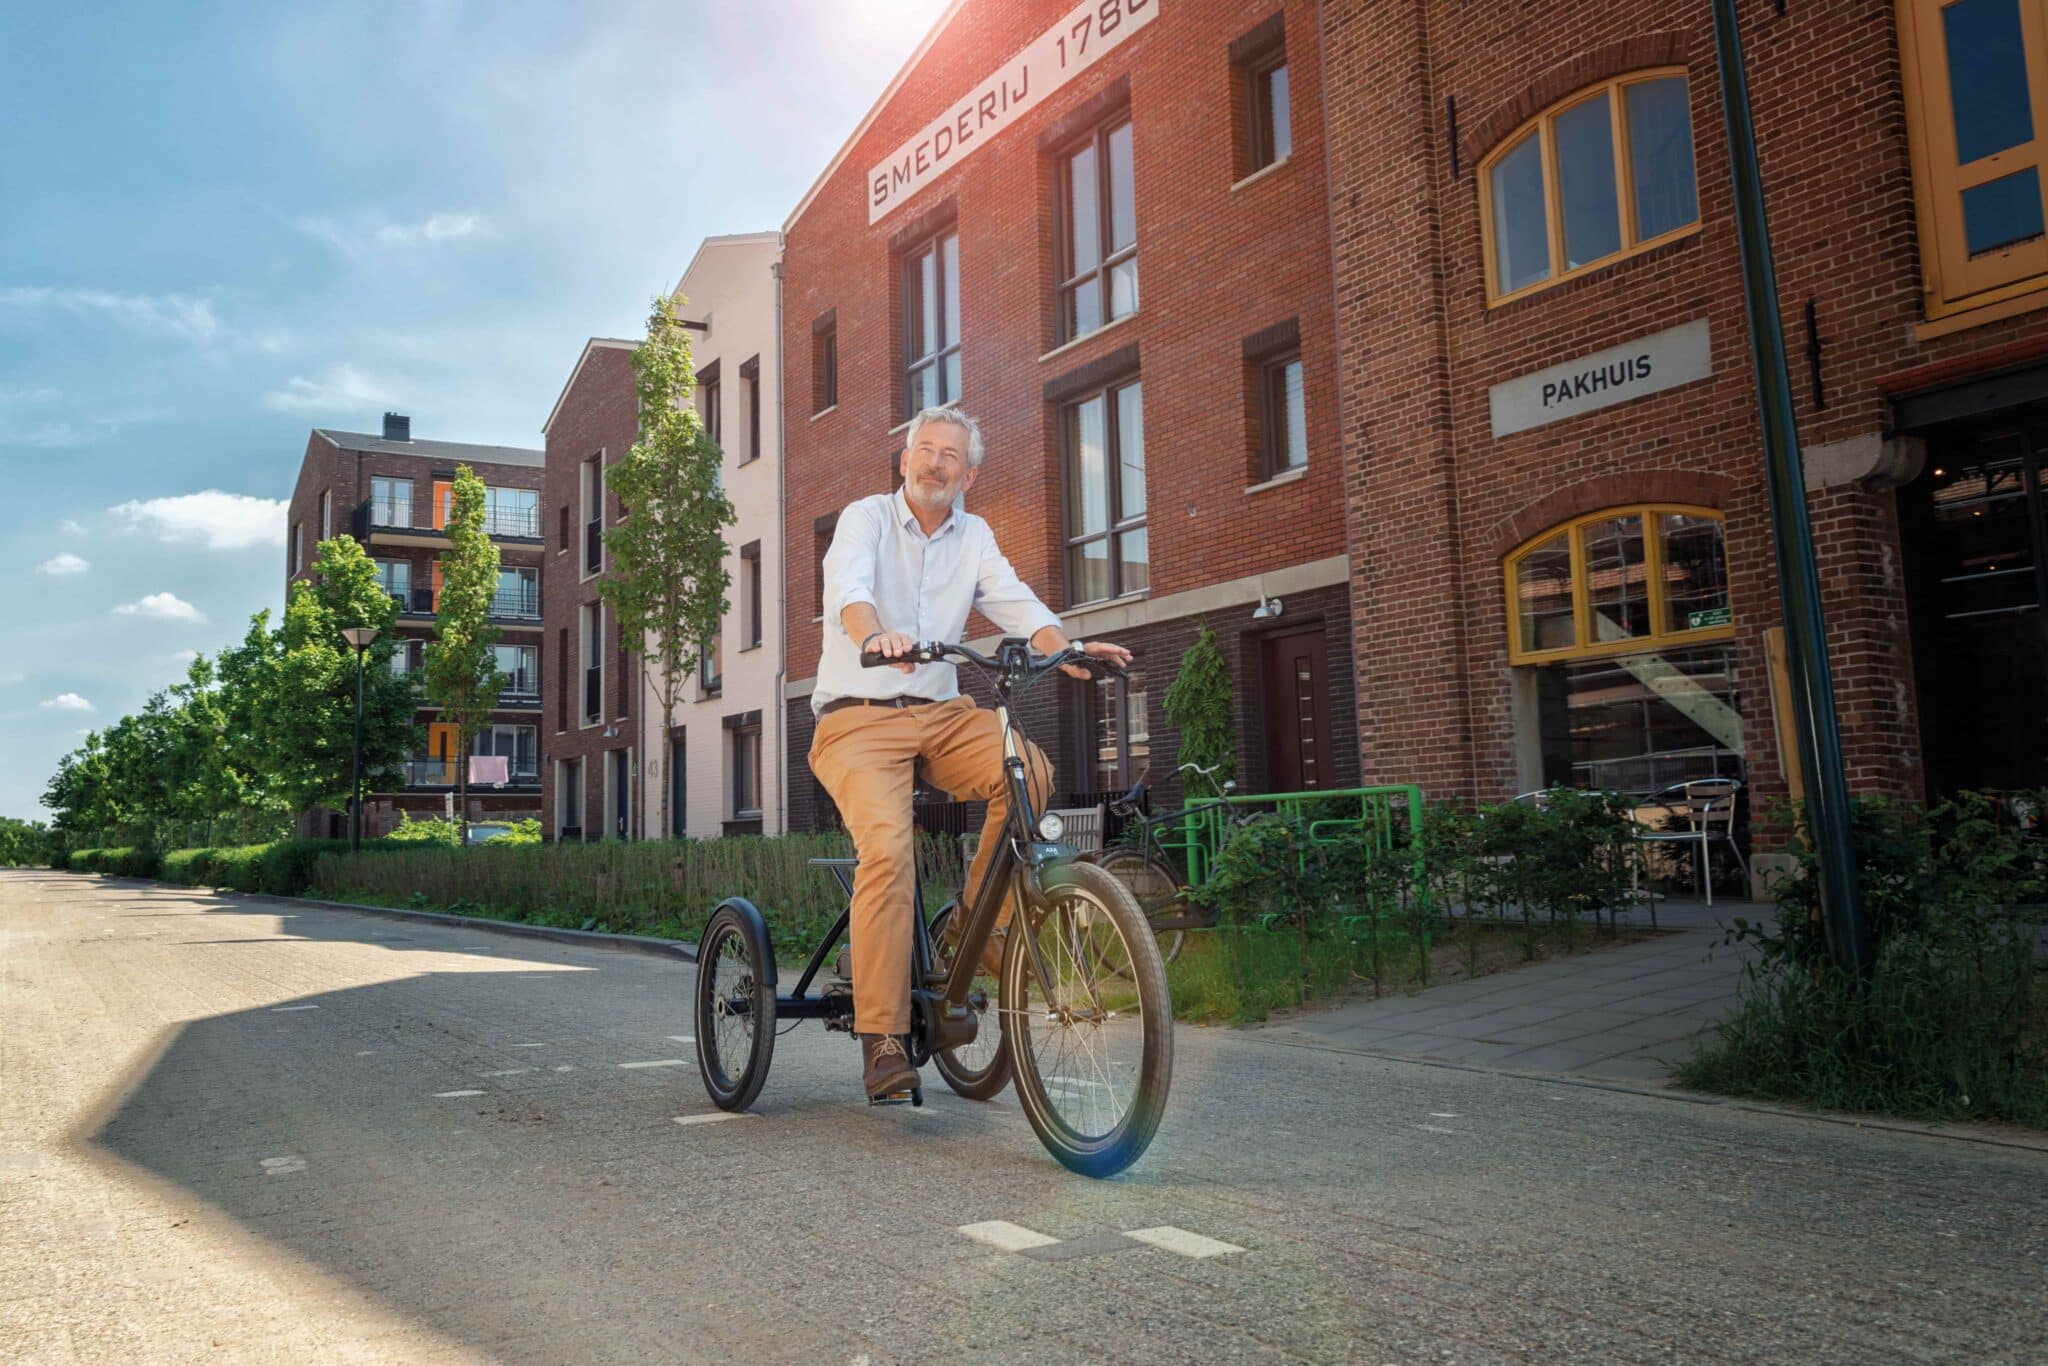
888, 1067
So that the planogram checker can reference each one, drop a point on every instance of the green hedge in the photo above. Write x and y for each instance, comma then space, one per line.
280, 868
123, 861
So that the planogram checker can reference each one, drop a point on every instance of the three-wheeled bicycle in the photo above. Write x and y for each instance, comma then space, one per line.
1084, 1026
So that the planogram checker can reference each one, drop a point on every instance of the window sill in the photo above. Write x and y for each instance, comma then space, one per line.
1285, 477
831, 408
1097, 604
752, 459
1656, 246
749, 649
1087, 337
1962, 320
1262, 173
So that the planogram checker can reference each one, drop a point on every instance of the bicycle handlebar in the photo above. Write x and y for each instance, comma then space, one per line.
939, 651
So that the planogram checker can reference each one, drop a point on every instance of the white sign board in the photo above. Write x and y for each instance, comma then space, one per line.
1663, 360
1062, 52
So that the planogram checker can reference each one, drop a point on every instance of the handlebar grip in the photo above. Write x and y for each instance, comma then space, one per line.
921, 652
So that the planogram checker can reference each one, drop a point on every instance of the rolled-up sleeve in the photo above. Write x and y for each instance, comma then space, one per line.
850, 563
1004, 598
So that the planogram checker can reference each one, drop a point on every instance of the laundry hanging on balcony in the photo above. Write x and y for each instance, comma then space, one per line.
493, 770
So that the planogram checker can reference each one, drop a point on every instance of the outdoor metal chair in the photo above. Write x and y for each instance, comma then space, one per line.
1702, 813
1084, 826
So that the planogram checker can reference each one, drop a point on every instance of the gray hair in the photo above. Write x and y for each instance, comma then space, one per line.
949, 414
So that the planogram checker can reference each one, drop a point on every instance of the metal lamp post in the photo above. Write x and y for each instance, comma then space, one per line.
361, 637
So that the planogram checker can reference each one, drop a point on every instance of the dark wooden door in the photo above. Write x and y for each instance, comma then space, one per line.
1297, 712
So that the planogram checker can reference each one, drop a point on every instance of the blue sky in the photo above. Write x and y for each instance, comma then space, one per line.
222, 225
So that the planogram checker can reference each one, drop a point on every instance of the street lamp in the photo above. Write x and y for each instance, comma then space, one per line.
361, 637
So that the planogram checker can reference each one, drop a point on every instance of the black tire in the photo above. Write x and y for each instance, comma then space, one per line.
1087, 1013
981, 1070
1154, 885
735, 1005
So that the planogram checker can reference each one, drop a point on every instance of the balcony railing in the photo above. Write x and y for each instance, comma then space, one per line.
447, 772
516, 602
417, 602
512, 522
395, 514
522, 685
390, 512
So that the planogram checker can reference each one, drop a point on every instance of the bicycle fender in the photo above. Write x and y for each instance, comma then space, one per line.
746, 911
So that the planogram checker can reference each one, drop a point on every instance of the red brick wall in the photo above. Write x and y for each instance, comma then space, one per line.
1215, 266
1435, 502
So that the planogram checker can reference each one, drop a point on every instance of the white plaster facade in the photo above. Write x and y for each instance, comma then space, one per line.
730, 287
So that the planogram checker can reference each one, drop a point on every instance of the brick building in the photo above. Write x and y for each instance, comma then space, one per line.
1562, 564
609, 752
1103, 231
390, 492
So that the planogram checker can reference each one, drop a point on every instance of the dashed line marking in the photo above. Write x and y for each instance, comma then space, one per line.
1180, 1240
365, 1052
279, 1010
659, 1062
1435, 1129
1006, 1236
683, 1038
450, 1095
283, 1166
529, 1045
507, 1072
1443, 1114
715, 1116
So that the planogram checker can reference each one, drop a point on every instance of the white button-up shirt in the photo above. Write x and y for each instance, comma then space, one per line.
923, 586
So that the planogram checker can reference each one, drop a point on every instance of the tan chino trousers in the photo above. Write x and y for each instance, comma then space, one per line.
866, 758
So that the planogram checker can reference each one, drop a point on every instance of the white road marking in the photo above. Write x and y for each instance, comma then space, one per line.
1180, 1240
450, 1095
366, 1052
683, 1038
281, 1166
714, 1116
1443, 1114
1435, 1129
1009, 1237
565, 1068
508, 1072
529, 1045
659, 1062
277, 1010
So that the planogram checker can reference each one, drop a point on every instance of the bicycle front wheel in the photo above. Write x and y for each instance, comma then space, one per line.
1086, 1021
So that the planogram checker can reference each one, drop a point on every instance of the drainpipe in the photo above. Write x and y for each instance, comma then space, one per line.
781, 568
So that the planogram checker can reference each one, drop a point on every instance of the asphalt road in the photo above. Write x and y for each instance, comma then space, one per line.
246, 1130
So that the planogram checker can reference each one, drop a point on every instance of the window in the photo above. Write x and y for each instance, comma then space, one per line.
569, 799
750, 586
750, 380
1976, 81
1620, 626
518, 593
1283, 416
520, 745
1098, 217
1268, 123
590, 631
822, 531
931, 323
710, 678
561, 678
678, 787
710, 411
391, 502
395, 578
593, 515
327, 514
1604, 174
564, 545
511, 512
1118, 735
746, 769
625, 699
521, 667
1103, 441
406, 657
825, 363
298, 546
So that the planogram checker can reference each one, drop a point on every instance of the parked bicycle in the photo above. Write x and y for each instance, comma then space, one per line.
1156, 872
1084, 1024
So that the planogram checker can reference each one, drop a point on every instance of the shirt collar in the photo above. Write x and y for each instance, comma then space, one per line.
907, 516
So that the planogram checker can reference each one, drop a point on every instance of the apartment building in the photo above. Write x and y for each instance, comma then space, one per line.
1562, 563
1102, 230
393, 494
610, 750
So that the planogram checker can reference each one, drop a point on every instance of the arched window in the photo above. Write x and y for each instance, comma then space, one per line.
1601, 174
1620, 627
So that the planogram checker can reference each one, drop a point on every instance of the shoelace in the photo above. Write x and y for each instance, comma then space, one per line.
889, 1045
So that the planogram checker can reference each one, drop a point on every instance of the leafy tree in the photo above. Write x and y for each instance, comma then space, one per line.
462, 675
23, 843
302, 691
80, 796
668, 580
1200, 706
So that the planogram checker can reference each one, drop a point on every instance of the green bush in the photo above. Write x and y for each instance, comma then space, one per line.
522, 832
60, 858
432, 830
192, 867
239, 868
1951, 1021
121, 861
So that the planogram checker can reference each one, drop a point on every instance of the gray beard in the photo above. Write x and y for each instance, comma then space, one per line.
920, 499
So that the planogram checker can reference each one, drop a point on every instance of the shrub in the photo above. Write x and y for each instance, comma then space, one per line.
239, 868
60, 857
433, 830
522, 832
192, 867
1951, 1020
120, 861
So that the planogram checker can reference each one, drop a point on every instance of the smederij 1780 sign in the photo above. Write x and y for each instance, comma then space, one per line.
1071, 46
1660, 361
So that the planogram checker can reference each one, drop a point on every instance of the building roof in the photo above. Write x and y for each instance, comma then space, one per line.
435, 450
731, 239
594, 344
875, 112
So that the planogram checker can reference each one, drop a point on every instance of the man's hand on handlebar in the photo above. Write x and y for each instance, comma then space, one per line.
1098, 649
890, 645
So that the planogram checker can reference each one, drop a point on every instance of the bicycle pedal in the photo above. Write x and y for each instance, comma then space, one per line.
914, 1096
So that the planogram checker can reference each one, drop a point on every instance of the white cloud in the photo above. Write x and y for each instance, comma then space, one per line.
63, 563
361, 233
217, 520
71, 526
342, 389
66, 701
161, 607
185, 316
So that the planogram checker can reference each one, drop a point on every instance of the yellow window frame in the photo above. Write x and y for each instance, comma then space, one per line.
1952, 281
1583, 646
1543, 126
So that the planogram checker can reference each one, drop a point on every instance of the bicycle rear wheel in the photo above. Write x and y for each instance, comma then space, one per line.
1155, 886
735, 1005
980, 1070
1087, 1022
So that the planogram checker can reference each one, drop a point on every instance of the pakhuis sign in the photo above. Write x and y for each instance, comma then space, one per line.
1660, 361
1087, 33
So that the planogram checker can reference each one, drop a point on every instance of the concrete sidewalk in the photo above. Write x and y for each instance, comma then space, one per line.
1627, 1014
